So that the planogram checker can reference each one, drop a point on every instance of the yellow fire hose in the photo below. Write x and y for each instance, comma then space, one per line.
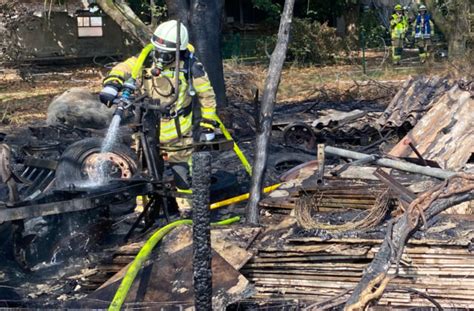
145, 252
241, 197
237, 150
141, 59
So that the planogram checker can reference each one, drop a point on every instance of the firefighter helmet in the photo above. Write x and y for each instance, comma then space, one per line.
164, 37
398, 7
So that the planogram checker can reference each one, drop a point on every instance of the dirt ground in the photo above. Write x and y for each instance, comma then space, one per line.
25, 101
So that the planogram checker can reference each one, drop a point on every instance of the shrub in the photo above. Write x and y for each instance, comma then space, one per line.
312, 42
375, 32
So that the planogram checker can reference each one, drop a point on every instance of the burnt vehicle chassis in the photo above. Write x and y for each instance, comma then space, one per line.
43, 170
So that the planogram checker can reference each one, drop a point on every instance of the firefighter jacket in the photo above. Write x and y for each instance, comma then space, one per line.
398, 26
179, 121
424, 28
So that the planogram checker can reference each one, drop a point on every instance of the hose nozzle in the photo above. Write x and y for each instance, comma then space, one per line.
119, 110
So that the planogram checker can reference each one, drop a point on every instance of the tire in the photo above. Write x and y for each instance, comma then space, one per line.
284, 161
224, 185
70, 169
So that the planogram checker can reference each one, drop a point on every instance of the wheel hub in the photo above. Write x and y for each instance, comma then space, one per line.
300, 135
105, 166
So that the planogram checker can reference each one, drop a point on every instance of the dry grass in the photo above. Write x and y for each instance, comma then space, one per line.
26, 102
329, 83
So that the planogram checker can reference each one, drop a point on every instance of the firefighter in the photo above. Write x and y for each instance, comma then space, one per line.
398, 28
157, 81
423, 30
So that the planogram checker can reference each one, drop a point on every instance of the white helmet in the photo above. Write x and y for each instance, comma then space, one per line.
422, 8
164, 37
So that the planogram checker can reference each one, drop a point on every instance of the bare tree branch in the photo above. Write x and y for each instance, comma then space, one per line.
266, 112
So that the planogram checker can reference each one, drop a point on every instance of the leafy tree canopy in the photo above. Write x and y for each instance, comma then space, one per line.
317, 10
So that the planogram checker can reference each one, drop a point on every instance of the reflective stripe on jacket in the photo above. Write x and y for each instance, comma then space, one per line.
161, 87
423, 26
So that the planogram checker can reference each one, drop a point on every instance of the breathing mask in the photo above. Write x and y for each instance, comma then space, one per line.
164, 57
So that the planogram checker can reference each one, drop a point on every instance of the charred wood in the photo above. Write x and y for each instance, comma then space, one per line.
266, 112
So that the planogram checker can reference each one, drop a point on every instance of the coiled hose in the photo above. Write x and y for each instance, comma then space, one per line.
145, 252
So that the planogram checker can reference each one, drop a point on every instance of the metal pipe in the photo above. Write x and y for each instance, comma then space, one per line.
150, 162
149, 143
396, 164
139, 219
366, 160
397, 187
321, 164
176, 69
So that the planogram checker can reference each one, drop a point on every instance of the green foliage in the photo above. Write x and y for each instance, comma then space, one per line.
323, 10
375, 33
272, 9
144, 11
313, 42
159, 11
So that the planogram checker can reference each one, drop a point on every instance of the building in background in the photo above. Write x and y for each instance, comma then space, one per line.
57, 32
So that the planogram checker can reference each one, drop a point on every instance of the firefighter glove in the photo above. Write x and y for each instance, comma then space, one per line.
108, 94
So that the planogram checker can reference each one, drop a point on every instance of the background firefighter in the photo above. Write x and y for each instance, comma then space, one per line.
398, 28
176, 128
423, 30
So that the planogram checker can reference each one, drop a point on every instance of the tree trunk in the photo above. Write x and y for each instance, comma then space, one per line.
203, 19
179, 9
454, 25
205, 25
121, 13
266, 111
457, 45
202, 251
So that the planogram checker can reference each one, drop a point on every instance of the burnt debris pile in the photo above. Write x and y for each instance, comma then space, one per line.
374, 207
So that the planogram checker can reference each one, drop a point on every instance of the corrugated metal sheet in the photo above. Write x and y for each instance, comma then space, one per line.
445, 134
413, 100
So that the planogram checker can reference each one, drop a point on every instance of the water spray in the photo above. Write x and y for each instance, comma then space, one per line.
123, 103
